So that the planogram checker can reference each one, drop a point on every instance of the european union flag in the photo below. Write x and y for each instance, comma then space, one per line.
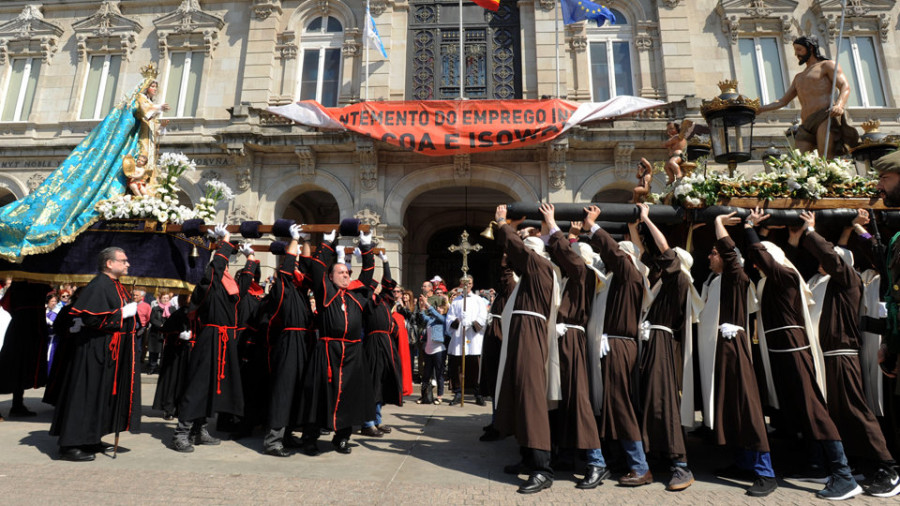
577, 10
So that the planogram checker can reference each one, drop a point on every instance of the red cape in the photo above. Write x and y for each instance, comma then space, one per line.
403, 345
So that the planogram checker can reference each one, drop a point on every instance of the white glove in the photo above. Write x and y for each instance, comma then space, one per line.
211, 233
329, 237
357, 254
730, 331
295, 231
561, 329
185, 336
221, 231
129, 310
604, 345
364, 238
77, 324
645, 330
341, 255
246, 249
383, 257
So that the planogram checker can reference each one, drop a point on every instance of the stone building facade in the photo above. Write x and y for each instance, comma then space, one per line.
222, 63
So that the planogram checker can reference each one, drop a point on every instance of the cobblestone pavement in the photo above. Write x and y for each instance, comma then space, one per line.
432, 456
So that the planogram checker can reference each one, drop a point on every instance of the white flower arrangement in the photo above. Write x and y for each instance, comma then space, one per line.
163, 205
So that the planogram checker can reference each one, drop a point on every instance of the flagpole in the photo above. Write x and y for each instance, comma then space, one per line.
556, 34
461, 53
365, 33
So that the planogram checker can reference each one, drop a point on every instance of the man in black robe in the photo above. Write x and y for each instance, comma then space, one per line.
214, 384
23, 357
338, 391
101, 391
253, 347
290, 331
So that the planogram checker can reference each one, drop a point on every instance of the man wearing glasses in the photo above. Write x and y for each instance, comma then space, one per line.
101, 392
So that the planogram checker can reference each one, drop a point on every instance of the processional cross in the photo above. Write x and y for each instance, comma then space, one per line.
464, 247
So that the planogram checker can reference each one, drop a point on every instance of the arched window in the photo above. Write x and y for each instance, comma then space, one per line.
320, 61
610, 56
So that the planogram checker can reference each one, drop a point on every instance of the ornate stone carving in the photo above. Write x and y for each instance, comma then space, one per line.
106, 31
351, 45
188, 28
547, 5
307, 162
368, 163
556, 162
323, 7
462, 166
210, 174
286, 46
262, 9
643, 42
34, 181
622, 157
578, 43
29, 36
368, 217
864, 15
377, 7
239, 215
738, 16
244, 179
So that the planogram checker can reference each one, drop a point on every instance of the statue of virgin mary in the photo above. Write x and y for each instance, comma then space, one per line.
64, 204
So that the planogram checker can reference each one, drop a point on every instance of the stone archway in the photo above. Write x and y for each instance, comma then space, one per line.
6, 196
284, 190
434, 220
312, 206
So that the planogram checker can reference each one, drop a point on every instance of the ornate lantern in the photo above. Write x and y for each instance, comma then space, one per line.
730, 117
874, 144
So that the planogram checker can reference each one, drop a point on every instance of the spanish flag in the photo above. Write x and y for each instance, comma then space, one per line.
491, 5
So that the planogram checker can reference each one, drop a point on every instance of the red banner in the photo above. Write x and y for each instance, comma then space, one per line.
450, 127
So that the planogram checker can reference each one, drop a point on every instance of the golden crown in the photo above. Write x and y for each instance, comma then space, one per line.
149, 72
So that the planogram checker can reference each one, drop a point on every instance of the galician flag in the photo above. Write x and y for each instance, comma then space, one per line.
372, 33
491, 5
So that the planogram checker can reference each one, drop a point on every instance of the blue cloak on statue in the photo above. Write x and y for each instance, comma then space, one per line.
64, 204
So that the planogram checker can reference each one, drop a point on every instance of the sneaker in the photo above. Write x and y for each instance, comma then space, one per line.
886, 483
182, 444
839, 490
762, 486
812, 474
203, 437
682, 478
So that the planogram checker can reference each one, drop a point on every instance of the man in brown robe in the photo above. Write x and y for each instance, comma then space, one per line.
839, 336
662, 358
493, 340
787, 349
522, 404
732, 406
618, 420
574, 423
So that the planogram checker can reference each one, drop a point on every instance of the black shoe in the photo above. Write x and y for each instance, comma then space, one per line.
518, 468
479, 400
292, 441
21, 411
203, 437
762, 486
491, 434
311, 449
73, 454
371, 432
324, 432
535, 483
342, 446
594, 476
457, 398
278, 451
168, 416
886, 483
181, 443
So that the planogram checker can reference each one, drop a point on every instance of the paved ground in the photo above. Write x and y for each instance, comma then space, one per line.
433, 456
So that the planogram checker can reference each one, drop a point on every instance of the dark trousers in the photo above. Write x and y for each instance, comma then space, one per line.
454, 371
536, 460
434, 368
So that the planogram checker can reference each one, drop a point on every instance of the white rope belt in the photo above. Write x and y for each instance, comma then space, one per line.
841, 353
497, 316
610, 336
530, 313
784, 328
576, 327
646, 327
789, 350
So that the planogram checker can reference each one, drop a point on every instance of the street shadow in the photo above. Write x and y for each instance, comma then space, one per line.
42, 441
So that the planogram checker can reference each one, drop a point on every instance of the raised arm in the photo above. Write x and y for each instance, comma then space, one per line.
657, 234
